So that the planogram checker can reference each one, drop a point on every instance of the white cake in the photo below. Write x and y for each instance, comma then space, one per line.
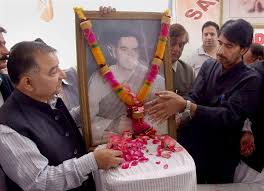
157, 174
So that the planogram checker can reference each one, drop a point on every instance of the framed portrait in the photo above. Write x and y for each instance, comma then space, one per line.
128, 41
250, 10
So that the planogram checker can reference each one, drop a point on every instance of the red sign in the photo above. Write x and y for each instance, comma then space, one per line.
259, 38
203, 7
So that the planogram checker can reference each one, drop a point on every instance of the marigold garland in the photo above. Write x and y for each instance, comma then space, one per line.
124, 95
134, 102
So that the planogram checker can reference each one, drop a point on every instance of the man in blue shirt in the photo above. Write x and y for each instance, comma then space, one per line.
224, 94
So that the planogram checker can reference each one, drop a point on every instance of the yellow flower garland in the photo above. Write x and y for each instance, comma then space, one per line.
123, 94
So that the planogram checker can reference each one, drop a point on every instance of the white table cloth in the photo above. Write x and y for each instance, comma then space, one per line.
150, 176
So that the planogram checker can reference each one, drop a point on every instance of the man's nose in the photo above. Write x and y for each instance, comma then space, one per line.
62, 74
220, 50
209, 36
4, 50
176, 48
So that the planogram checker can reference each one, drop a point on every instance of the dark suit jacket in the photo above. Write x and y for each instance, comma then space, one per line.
183, 78
256, 161
6, 86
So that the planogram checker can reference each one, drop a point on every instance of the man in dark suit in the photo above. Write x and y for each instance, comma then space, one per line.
6, 86
224, 94
251, 168
183, 74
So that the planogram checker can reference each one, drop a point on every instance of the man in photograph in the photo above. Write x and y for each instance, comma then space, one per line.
107, 111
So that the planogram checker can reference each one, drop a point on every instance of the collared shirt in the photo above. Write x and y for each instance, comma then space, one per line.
70, 95
1, 99
174, 66
183, 77
197, 59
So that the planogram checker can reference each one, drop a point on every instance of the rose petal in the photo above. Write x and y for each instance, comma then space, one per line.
166, 166
134, 163
128, 157
125, 165
158, 162
143, 159
178, 149
166, 154
155, 141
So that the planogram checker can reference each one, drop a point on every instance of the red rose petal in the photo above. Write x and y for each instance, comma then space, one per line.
166, 154
143, 159
155, 141
134, 163
178, 149
125, 165
158, 162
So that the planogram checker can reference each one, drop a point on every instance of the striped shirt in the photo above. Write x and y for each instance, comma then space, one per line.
22, 161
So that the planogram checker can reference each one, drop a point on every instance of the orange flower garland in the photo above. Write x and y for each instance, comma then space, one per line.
124, 94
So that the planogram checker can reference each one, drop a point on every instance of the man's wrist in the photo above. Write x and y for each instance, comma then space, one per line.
193, 109
184, 104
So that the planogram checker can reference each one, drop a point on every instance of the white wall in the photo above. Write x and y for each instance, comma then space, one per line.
21, 19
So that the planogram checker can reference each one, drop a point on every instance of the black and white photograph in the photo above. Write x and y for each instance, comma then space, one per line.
128, 46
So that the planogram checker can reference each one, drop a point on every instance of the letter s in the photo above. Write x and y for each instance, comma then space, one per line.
195, 14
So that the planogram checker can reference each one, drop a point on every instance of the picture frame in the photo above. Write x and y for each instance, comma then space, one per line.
246, 10
99, 104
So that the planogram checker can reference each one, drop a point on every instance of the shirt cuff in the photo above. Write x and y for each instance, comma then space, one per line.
87, 164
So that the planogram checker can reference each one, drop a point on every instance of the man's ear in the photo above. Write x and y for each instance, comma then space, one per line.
26, 83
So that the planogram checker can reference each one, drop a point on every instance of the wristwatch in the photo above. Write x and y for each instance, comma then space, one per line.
186, 114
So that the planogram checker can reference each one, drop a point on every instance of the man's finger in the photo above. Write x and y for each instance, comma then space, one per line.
109, 9
163, 118
117, 153
118, 160
156, 108
105, 10
157, 116
164, 92
151, 103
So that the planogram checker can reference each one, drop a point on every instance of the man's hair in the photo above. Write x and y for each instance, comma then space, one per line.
116, 36
257, 50
177, 30
22, 58
238, 31
2, 29
211, 23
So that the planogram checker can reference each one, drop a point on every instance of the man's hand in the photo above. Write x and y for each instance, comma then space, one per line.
167, 104
107, 158
106, 10
247, 145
